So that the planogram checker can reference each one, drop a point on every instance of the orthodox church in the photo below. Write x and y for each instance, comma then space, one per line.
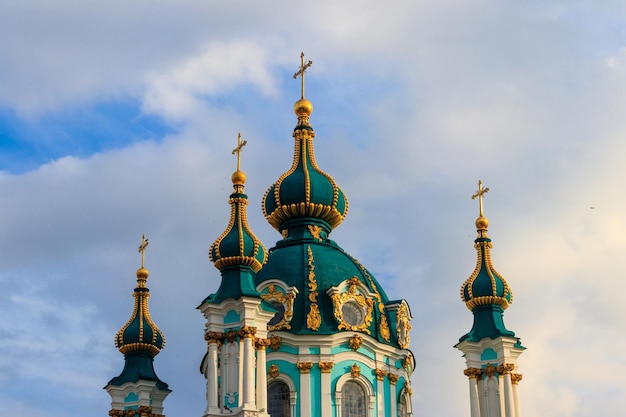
304, 329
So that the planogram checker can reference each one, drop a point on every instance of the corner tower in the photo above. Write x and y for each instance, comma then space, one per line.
138, 389
236, 316
490, 349
338, 345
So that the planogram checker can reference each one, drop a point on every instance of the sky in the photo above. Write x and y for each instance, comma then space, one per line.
118, 119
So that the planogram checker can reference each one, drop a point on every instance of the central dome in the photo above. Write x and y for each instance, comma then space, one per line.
305, 191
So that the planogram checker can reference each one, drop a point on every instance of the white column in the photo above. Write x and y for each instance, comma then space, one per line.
473, 374
305, 388
393, 398
515, 379
380, 395
325, 389
501, 395
248, 374
212, 394
473, 387
261, 376
508, 396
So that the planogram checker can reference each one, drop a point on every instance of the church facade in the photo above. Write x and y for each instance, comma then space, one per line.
304, 329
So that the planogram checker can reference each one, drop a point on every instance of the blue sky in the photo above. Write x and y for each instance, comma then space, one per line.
118, 119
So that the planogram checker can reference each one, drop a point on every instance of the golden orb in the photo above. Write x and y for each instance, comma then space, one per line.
239, 178
482, 223
303, 106
142, 273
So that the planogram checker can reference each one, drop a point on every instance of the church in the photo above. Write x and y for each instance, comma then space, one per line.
305, 329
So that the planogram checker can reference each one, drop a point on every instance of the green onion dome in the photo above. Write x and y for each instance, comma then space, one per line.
140, 334
485, 286
238, 246
305, 191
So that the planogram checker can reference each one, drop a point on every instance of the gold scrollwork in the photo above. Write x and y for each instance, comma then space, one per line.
313, 318
352, 296
286, 300
380, 374
473, 373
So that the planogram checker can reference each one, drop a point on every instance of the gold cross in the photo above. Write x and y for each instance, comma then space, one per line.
142, 248
237, 150
481, 191
302, 70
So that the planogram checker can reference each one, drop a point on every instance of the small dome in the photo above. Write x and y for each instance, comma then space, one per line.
485, 286
140, 334
238, 245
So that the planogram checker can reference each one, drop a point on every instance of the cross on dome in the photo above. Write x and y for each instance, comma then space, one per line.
302, 70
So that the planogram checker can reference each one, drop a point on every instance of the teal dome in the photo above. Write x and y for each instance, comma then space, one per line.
140, 334
238, 245
322, 273
485, 286
305, 191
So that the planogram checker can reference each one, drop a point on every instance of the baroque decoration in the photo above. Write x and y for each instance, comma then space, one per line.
353, 311
274, 295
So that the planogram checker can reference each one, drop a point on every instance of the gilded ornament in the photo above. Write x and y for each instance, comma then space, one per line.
231, 336
355, 371
326, 366
261, 344
313, 318
315, 231
408, 361
247, 332
490, 370
408, 388
380, 374
505, 368
286, 300
355, 342
473, 373
352, 296
403, 326
304, 367
516, 378
275, 342
384, 328
273, 371
213, 337
393, 378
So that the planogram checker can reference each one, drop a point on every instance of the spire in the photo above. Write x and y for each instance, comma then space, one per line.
140, 333
140, 340
485, 293
237, 249
304, 195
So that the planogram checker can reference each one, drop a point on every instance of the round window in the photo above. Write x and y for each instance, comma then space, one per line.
352, 313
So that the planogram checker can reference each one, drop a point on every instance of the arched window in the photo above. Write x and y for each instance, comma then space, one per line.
278, 400
353, 402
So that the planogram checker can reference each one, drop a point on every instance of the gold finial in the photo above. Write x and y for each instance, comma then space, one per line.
302, 70
237, 150
142, 249
479, 193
